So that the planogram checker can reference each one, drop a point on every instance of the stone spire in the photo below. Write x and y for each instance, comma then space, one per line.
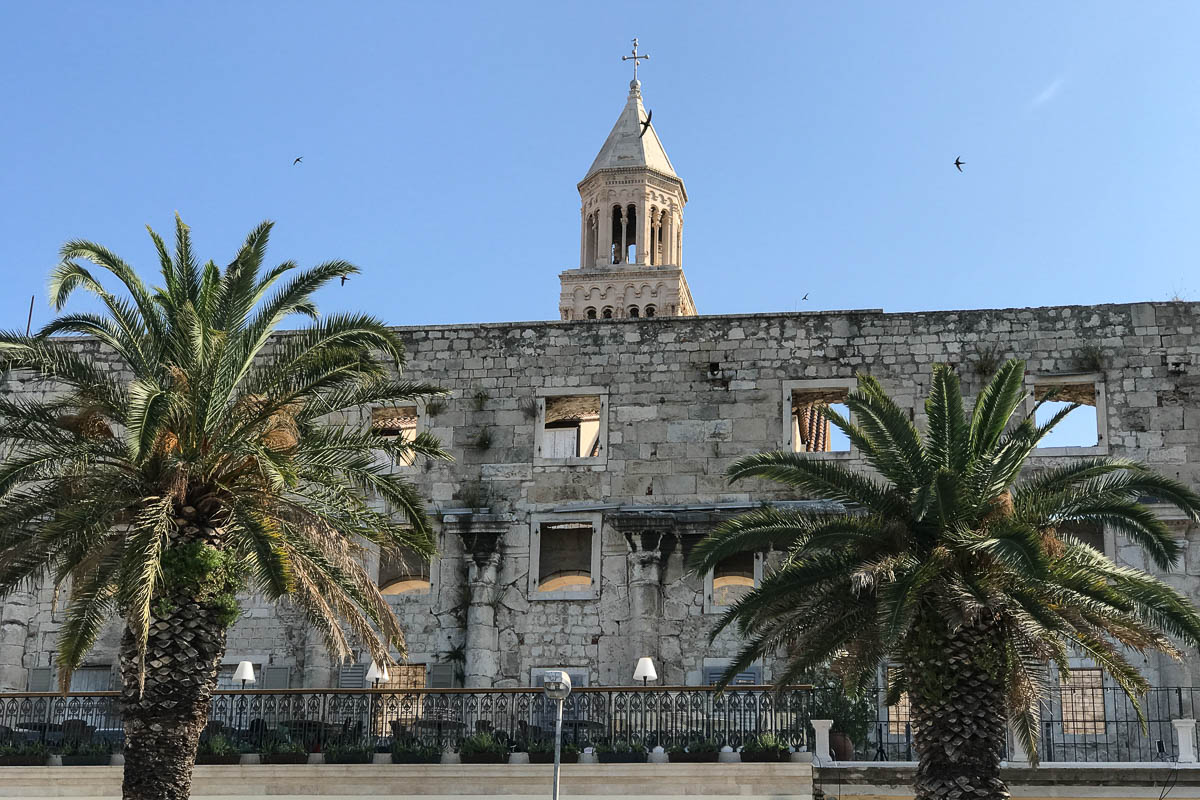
631, 227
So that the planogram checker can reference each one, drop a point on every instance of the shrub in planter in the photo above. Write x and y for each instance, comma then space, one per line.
483, 748
541, 751
281, 750
349, 754
87, 754
411, 751
619, 751
697, 750
217, 749
765, 747
24, 754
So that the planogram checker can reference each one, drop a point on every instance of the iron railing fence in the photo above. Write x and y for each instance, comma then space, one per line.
1093, 724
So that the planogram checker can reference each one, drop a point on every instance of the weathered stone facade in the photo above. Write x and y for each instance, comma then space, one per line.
681, 398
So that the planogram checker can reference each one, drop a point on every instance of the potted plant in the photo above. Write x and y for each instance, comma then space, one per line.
413, 751
541, 751
483, 748
619, 751
23, 754
217, 749
852, 716
355, 753
96, 753
695, 751
764, 747
282, 750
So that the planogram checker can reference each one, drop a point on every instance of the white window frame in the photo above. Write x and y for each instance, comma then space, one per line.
384, 460
1094, 378
789, 387
541, 395
535, 555
710, 606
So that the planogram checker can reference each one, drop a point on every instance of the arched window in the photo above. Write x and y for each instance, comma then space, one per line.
607, 313
589, 312
650, 311
633, 312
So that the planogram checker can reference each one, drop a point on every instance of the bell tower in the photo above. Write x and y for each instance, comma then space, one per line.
631, 226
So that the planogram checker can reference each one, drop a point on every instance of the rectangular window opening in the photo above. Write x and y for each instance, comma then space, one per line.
1080, 427
92, 679
1083, 702
811, 430
571, 428
565, 557
899, 716
733, 579
406, 572
396, 422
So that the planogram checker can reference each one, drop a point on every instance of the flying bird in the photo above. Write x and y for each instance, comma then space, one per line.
646, 124
805, 296
958, 162
298, 160
343, 280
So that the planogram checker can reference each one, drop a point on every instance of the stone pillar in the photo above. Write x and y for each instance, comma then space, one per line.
645, 535
1017, 755
1185, 740
644, 232
482, 537
583, 237
16, 612
668, 237
821, 751
624, 235
483, 639
603, 238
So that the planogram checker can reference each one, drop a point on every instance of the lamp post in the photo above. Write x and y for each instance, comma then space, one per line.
245, 674
557, 685
375, 674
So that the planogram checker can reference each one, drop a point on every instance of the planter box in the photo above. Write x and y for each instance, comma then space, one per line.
284, 758
22, 761
349, 758
548, 758
621, 758
416, 758
756, 756
87, 761
483, 758
694, 758
232, 758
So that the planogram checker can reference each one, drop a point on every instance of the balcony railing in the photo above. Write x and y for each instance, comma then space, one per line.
1097, 724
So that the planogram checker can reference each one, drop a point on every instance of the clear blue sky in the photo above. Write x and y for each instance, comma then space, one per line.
442, 143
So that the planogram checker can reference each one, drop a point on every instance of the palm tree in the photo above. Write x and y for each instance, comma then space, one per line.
189, 450
959, 576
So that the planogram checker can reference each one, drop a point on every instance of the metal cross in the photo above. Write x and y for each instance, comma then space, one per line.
635, 58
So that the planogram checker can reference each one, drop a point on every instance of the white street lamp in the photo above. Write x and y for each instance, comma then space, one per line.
644, 671
557, 685
376, 673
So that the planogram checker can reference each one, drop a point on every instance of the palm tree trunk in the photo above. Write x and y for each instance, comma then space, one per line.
164, 719
958, 714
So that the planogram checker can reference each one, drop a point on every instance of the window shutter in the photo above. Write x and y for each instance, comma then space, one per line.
440, 676
40, 679
276, 677
353, 676
749, 677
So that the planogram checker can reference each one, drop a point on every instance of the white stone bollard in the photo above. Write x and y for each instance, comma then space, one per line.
1016, 752
1185, 739
822, 753
518, 757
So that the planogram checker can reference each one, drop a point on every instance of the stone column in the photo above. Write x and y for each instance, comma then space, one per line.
482, 537
583, 237
483, 639
319, 670
645, 535
624, 235
603, 240
16, 612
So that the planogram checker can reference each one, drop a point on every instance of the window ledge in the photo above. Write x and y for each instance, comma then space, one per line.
835, 455
1094, 450
588, 595
597, 461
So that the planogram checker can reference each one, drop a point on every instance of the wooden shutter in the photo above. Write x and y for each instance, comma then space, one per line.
276, 678
440, 676
40, 679
352, 676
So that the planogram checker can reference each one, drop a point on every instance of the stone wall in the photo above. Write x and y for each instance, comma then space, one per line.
684, 397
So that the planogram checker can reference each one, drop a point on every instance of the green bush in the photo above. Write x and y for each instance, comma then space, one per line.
217, 744
24, 749
482, 743
410, 751
96, 747
281, 745
765, 743
349, 754
696, 746
617, 746
547, 746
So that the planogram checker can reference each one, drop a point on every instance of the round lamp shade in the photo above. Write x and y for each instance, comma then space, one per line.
244, 672
376, 673
645, 670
